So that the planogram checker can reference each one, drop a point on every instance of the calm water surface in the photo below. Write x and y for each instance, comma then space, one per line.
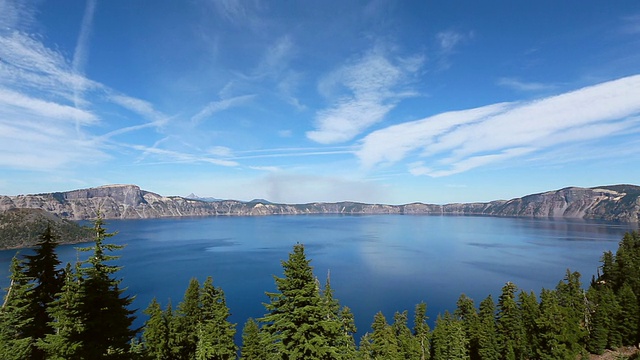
382, 262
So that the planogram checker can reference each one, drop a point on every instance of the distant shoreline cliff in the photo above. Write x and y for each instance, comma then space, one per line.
612, 203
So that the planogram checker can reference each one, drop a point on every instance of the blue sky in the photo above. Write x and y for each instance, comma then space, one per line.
301, 101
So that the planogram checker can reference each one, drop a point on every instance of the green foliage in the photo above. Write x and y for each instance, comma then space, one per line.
510, 329
65, 341
295, 318
24, 227
252, 347
15, 315
155, 335
91, 316
487, 334
215, 333
467, 314
184, 327
43, 269
449, 341
383, 340
552, 328
528, 305
421, 331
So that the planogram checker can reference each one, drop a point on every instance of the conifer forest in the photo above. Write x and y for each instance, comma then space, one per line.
79, 311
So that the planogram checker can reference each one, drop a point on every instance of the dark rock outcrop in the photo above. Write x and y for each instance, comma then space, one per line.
617, 203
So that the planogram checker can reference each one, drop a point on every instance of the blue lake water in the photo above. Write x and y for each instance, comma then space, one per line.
377, 263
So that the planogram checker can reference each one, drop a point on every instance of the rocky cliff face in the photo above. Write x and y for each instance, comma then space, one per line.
619, 203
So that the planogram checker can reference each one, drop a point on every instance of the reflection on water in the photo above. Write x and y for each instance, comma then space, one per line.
384, 262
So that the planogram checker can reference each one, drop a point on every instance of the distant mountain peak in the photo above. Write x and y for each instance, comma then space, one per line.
193, 196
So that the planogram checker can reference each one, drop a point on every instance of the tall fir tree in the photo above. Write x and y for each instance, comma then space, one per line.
407, 344
384, 344
509, 324
252, 347
530, 310
92, 319
628, 318
107, 329
449, 341
332, 329
184, 327
487, 335
604, 332
215, 332
572, 300
421, 331
42, 267
467, 314
295, 313
155, 335
552, 326
69, 321
16, 315
347, 344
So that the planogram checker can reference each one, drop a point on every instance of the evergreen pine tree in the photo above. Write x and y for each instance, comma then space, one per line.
16, 316
571, 298
155, 335
42, 268
383, 340
332, 327
69, 320
449, 341
487, 335
104, 307
346, 345
365, 351
509, 324
604, 332
552, 325
295, 314
467, 314
628, 317
407, 344
530, 310
421, 331
252, 348
184, 328
215, 332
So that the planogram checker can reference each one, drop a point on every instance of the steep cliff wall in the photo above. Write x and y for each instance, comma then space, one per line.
618, 202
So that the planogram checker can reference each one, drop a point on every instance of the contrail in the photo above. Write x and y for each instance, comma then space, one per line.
80, 55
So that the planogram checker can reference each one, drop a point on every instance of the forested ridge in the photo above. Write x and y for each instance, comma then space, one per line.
79, 312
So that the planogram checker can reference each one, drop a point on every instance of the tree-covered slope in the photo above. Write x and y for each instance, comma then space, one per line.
21, 227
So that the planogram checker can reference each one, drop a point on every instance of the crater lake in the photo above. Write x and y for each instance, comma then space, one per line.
376, 263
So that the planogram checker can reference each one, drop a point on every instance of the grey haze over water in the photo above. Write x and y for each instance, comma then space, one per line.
377, 263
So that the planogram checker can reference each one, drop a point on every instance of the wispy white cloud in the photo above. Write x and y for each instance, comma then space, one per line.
16, 14
631, 24
455, 142
19, 104
220, 105
448, 41
28, 65
140, 107
166, 156
80, 53
516, 84
276, 58
366, 90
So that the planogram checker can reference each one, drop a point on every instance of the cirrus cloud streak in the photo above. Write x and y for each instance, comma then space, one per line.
458, 141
